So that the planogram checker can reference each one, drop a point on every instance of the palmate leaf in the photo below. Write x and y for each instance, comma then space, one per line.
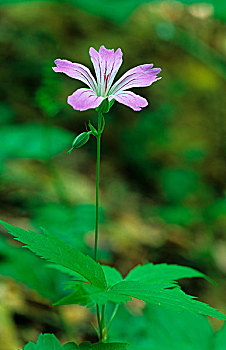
46, 342
112, 275
103, 286
162, 272
50, 342
86, 294
166, 295
51, 248
170, 298
162, 292
76, 276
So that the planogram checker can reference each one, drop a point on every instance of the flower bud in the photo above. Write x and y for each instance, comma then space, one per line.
80, 141
104, 106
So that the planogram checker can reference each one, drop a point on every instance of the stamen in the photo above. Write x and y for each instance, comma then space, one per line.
106, 81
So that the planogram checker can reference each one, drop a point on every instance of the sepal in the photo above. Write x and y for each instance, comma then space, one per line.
93, 130
104, 107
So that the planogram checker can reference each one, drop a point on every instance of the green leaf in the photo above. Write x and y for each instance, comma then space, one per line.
76, 276
167, 296
86, 294
161, 329
112, 275
71, 225
158, 289
220, 339
162, 273
51, 248
50, 342
44, 342
89, 295
104, 346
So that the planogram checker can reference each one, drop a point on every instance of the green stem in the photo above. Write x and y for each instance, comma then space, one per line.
113, 316
104, 333
100, 320
99, 323
97, 185
103, 316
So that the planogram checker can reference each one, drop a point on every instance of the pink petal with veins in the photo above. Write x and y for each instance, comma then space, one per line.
130, 99
106, 64
83, 99
139, 76
76, 71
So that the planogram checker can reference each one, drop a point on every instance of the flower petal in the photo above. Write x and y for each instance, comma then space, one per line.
76, 71
130, 99
106, 64
83, 99
139, 76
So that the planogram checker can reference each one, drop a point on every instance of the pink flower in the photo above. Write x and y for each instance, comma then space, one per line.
106, 64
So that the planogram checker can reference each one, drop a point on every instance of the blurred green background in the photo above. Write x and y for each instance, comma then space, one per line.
163, 169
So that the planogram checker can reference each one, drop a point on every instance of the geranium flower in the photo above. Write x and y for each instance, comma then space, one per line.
106, 64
